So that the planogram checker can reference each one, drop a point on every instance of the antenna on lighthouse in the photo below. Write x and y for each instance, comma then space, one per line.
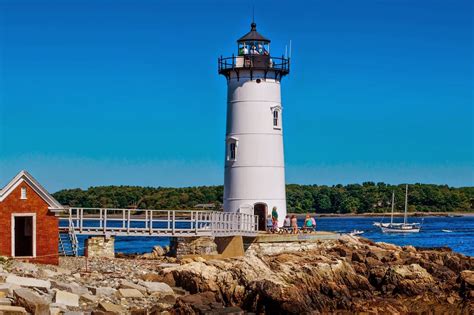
286, 51
290, 50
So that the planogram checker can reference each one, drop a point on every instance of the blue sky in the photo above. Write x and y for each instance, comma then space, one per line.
127, 92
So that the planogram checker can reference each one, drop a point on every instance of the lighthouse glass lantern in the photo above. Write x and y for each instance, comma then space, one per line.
254, 176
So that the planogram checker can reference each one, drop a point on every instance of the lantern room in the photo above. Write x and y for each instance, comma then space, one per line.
253, 43
253, 54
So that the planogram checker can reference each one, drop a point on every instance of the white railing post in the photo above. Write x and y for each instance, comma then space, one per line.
173, 222
105, 220
196, 223
123, 219
100, 218
82, 220
128, 221
146, 219
151, 223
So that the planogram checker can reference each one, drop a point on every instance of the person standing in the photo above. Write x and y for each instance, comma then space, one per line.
294, 224
269, 223
287, 224
275, 219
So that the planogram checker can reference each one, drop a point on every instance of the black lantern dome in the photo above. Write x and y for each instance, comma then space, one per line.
253, 35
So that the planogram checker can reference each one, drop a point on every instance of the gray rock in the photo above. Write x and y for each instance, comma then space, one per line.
66, 298
110, 307
70, 287
31, 301
5, 301
28, 282
46, 273
130, 285
54, 311
105, 291
157, 288
130, 293
63, 271
25, 267
12, 310
8, 288
89, 298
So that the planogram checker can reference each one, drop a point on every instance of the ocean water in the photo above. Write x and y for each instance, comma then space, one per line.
461, 239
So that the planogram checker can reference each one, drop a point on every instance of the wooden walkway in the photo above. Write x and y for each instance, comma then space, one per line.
168, 223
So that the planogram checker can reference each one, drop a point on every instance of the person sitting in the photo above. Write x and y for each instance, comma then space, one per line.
308, 224
294, 224
287, 224
313, 220
269, 223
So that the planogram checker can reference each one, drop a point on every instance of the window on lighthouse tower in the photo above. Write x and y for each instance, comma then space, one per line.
232, 149
276, 113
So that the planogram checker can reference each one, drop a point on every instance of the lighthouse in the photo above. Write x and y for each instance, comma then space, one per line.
254, 176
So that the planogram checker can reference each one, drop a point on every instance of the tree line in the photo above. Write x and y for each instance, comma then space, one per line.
352, 198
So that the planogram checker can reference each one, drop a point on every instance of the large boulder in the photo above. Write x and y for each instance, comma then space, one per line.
32, 301
28, 282
466, 279
408, 280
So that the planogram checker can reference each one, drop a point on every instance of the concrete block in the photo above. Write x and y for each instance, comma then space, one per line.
230, 246
100, 246
28, 282
66, 298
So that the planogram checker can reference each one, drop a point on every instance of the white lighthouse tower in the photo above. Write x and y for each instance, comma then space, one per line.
254, 180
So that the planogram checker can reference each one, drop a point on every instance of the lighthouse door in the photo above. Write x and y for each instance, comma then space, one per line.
260, 209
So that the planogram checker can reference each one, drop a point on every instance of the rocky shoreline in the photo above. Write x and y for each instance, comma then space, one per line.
348, 275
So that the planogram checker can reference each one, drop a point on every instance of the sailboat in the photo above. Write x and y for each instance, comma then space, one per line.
404, 227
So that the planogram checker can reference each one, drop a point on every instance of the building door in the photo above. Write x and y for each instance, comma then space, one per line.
23, 233
260, 209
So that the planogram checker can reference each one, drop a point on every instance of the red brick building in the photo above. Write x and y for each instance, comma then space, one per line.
28, 222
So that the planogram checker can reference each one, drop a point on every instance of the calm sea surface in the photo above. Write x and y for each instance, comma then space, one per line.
461, 239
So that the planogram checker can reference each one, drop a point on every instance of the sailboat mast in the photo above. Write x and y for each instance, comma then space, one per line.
393, 204
406, 205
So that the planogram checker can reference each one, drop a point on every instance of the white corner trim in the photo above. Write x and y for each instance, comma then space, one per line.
13, 232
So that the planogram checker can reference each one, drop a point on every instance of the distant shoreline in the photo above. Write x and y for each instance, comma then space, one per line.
396, 214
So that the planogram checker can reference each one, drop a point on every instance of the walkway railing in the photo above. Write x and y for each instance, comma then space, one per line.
138, 222
254, 62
